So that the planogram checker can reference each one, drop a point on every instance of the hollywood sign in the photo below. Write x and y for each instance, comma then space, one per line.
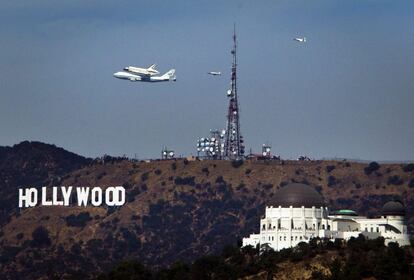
111, 196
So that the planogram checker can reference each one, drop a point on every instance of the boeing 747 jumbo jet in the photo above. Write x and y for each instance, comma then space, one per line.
150, 71
169, 76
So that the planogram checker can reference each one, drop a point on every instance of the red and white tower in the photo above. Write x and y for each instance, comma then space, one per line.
233, 145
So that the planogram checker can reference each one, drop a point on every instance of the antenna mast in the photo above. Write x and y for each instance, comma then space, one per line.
233, 146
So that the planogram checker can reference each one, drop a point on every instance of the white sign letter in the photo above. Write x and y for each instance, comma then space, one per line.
29, 197
118, 196
83, 194
96, 196
55, 198
66, 195
44, 197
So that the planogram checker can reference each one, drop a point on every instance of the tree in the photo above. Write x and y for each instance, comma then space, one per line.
373, 166
40, 237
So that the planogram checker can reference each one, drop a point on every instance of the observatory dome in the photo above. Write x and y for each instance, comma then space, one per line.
297, 195
393, 208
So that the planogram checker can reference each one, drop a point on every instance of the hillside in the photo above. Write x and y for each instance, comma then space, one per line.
175, 210
31, 164
320, 259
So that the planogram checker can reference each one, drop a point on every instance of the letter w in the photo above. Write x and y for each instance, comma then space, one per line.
83, 194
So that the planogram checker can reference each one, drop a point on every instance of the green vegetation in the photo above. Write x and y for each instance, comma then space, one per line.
144, 176
158, 172
330, 168
395, 180
356, 259
163, 222
79, 220
237, 163
332, 181
185, 181
373, 166
408, 167
40, 237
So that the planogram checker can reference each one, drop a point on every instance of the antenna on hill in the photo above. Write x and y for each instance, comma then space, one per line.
233, 145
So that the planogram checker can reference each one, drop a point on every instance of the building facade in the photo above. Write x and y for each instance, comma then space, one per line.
298, 213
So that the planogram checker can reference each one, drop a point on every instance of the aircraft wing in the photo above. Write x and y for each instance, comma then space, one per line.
140, 74
144, 75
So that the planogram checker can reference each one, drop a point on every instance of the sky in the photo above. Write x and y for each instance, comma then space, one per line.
348, 92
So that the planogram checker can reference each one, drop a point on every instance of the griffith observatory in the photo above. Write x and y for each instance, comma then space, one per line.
298, 213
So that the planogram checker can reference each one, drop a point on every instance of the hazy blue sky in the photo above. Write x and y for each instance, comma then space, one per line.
347, 92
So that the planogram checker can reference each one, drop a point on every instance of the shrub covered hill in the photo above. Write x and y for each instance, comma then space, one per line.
31, 164
176, 210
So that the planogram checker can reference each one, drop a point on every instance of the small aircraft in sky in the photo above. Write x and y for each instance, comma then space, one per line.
213, 73
150, 71
125, 75
300, 40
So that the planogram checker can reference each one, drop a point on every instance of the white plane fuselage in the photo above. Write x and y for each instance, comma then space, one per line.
300, 40
137, 78
214, 73
142, 71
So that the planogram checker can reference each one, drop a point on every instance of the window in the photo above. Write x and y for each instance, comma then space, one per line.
377, 229
284, 238
372, 229
280, 238
264, 227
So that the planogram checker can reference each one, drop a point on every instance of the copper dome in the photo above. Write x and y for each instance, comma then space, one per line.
393, 208
297, 195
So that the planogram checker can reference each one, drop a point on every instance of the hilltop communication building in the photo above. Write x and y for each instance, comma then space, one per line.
298, 213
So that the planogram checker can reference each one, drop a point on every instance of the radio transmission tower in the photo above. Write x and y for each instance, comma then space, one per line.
233, 146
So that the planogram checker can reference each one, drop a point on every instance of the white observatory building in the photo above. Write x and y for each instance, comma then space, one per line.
298, 213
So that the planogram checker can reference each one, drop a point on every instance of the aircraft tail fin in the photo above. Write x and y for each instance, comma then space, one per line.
152, 66
169, 75
304, 39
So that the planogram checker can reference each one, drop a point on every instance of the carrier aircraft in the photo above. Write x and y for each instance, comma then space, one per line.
133, 77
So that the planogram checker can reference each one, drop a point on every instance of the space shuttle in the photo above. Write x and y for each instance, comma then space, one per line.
150, 71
